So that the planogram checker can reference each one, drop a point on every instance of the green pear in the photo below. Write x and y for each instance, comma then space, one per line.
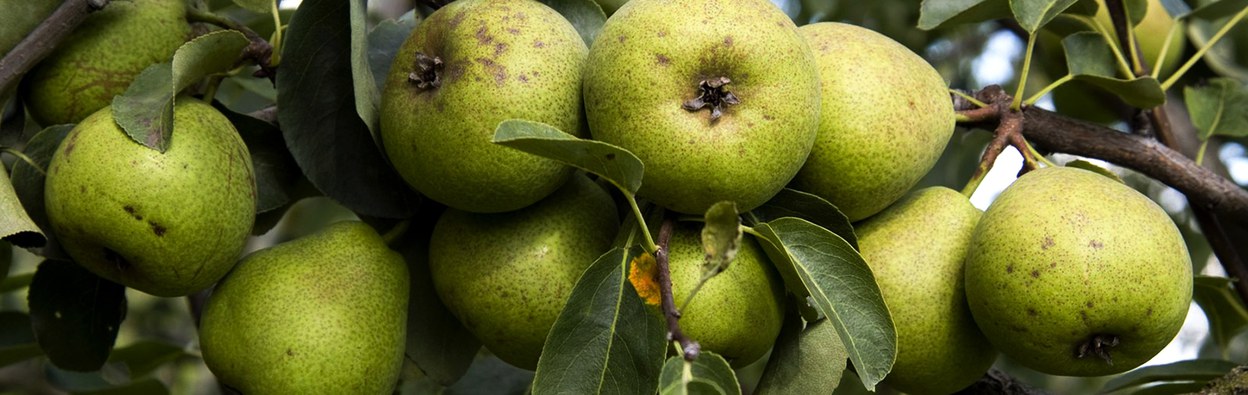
916, 248
19, 18
507, 276
1073, 273
886, 119
719, 99
168, 224
102, 57
323, 314
469, 66
738, 312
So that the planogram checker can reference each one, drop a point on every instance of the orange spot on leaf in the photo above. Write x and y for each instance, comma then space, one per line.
643, 273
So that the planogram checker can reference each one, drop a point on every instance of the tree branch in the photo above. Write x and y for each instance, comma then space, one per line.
996, 382
690, 348
45, 38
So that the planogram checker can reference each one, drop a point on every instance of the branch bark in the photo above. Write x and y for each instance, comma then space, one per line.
690, 348
45, 38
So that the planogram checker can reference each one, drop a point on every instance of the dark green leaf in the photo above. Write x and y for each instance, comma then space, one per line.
1225, 312
1199, 370
615, 164
1171, 388
721, 236
817, 264
1089, 166
28, 180
277, 174
257, 6
75, 314
1083, 8
937, 13
805, 361
709, 374
606, 340
1088, 58
1219, 108
6, 260
1226, 57
16, 282
145, 110
490, 375
145, 356
436, 341
798, 204
585, 15
1034, 14
367, 94
316, 108
383, 45
148, 386
1217, 9
15, 226
244, 93
17, 342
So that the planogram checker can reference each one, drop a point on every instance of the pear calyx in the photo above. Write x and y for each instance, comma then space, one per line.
713, 93
1098, 345
428, 72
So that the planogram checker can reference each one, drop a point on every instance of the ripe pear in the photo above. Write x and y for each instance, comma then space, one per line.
326, 313
738, 312
168, 224
916, 248
720, 100
507, 276
102, 57
886, 119
469, 66
1072, 273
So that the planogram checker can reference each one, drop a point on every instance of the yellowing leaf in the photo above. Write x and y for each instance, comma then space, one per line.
644, 274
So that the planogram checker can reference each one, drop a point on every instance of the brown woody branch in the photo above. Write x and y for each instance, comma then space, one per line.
45, 38
690, 348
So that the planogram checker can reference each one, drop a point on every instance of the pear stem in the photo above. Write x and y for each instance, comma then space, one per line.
689, 348
44, 39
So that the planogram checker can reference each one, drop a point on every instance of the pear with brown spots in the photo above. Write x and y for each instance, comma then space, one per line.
719, 99
916, 249
322, 314
886, 119
506, 276
168, 224
1073, 273
469, 66
738, 312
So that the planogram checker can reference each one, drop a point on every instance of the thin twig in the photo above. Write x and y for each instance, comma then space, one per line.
690, 348
259, 50
44, 39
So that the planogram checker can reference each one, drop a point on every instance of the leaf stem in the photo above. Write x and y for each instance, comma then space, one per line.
1022, 78
1036, 97
276, 40
1204, 48
1200, 155
647, 241
396, 232
24, 158
1114, 47
1165, 49
968, 98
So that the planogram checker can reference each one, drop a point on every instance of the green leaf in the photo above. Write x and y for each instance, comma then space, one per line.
1198, 370
148, 386
145, 110
1089, 59
606, 340
1214, 10
257, 6
810, 207
1219, 108
316, 111
436, 341
17, 282
277, 174
804, 361
937, 13
1034, 14
1226, 57
383, 45
28, 181
612, 163
721, 237
585, 15
820, 266
709, 374
6, 260
15, 226
1226, 313
17, 341
1089, 166
145, 356
490, 375
75, 314
367, 94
